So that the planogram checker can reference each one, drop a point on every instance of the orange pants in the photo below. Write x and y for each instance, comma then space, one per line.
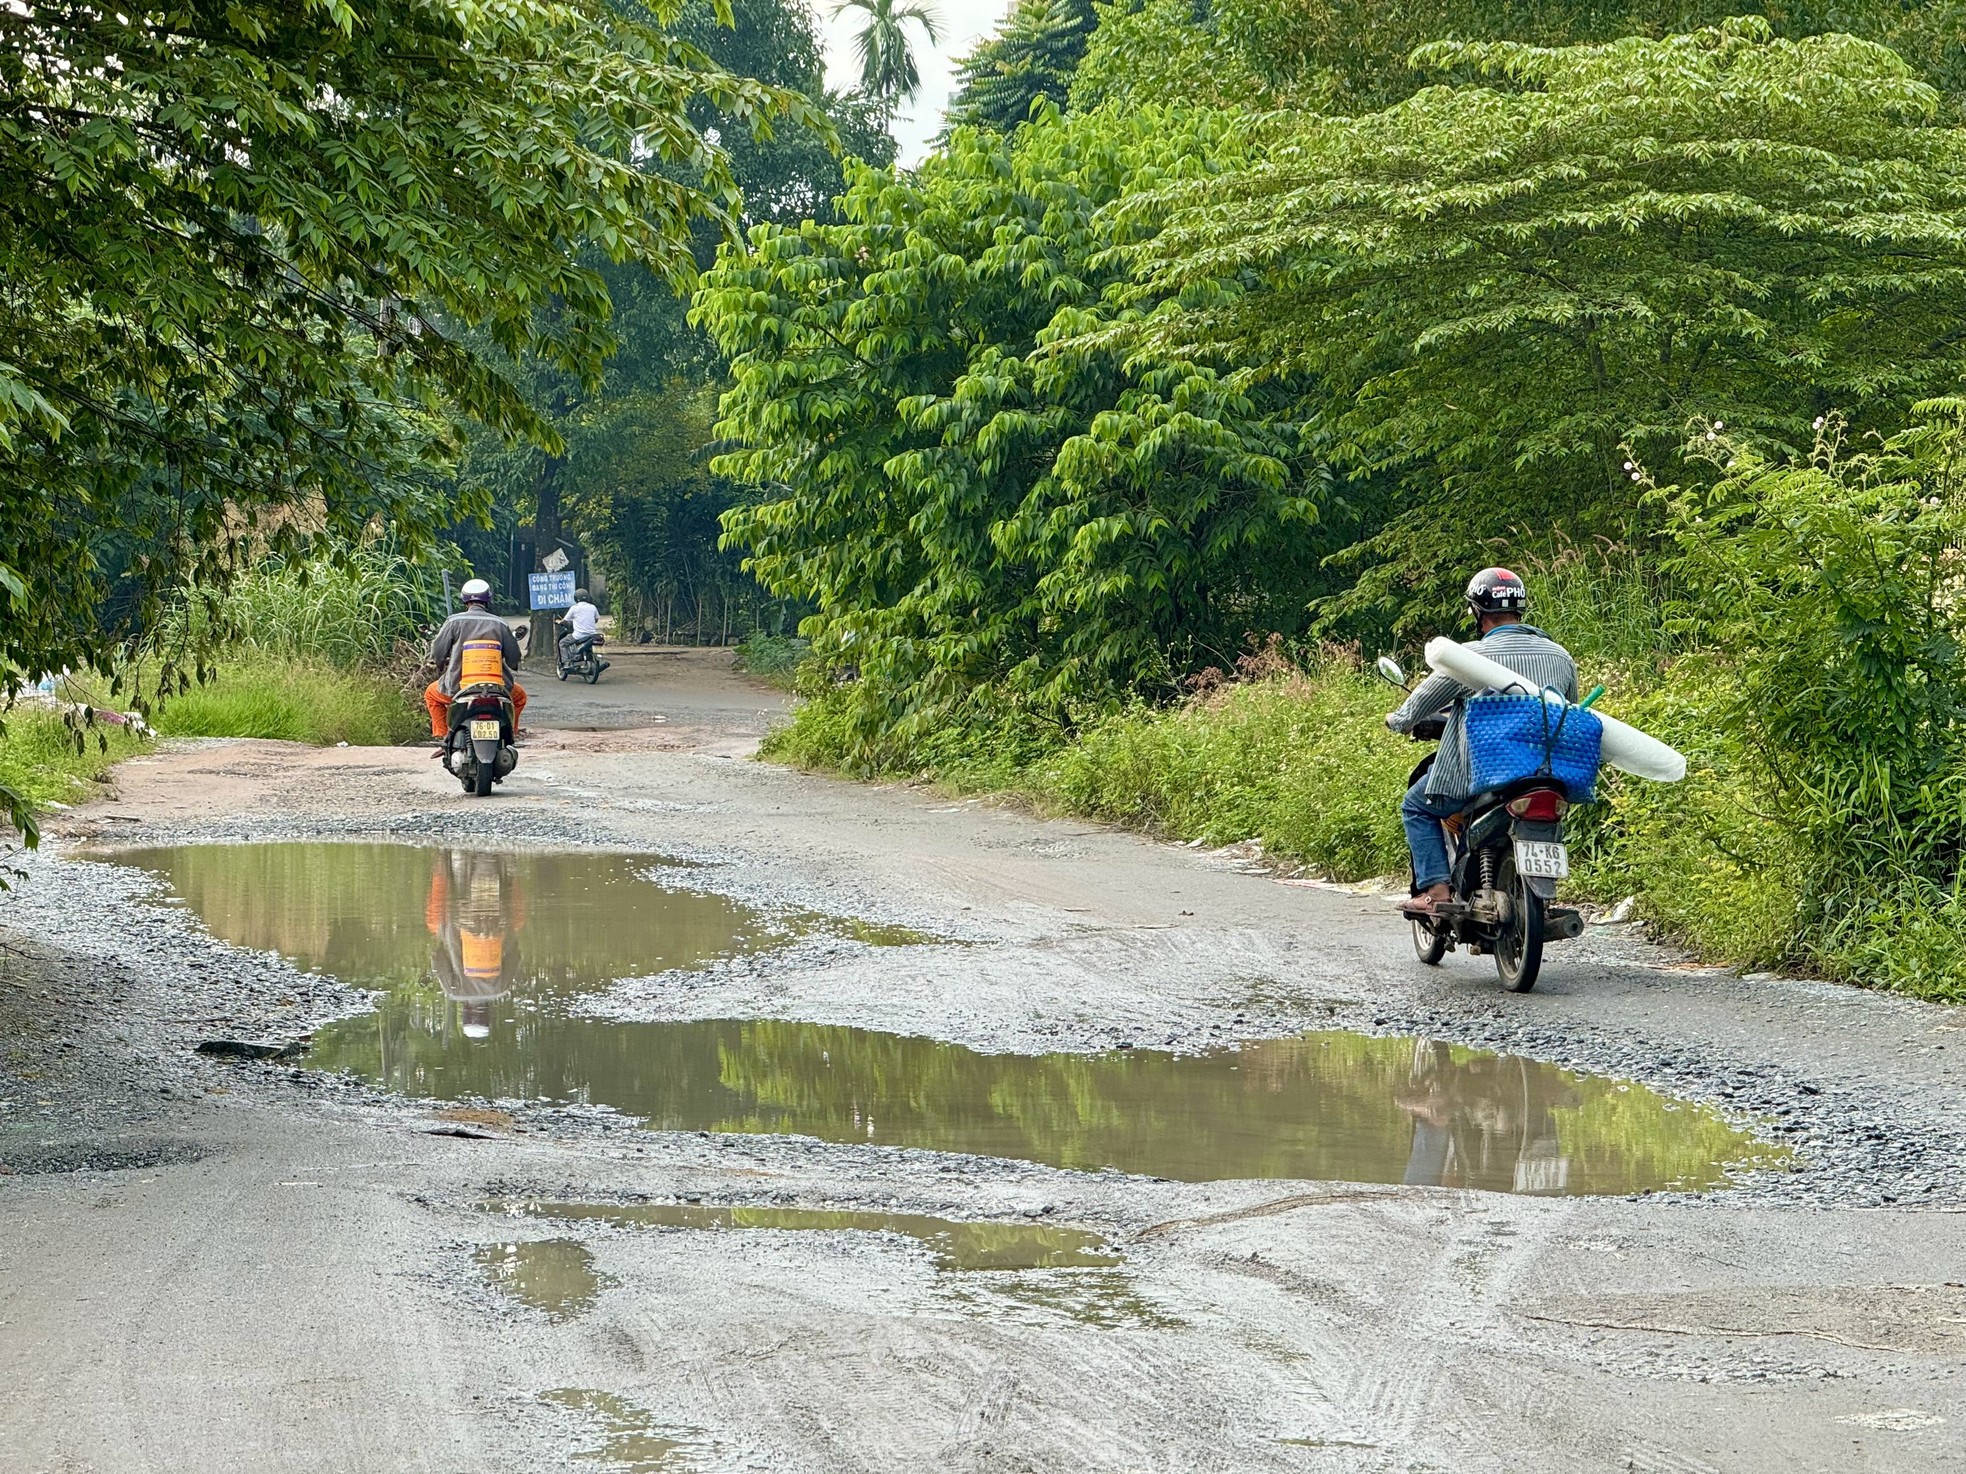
438, 704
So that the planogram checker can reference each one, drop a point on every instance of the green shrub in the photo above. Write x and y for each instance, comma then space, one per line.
1710, 863
42, 761
295, 700
1299, 760
356, 611
774, 658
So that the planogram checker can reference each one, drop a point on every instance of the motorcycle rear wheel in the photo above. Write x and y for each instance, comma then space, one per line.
1519, 948
482, 780
593, 671
1428, 945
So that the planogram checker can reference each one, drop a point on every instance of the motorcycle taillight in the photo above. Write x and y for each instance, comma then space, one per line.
1540, 805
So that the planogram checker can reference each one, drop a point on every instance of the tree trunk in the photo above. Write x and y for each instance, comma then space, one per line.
546, 538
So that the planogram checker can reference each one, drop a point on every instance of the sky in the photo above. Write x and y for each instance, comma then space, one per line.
964, 23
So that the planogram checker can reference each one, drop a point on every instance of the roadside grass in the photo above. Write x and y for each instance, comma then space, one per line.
1300, 761
42, 760
773, 658
295, 699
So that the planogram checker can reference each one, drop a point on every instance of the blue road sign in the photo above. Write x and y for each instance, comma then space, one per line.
550, 590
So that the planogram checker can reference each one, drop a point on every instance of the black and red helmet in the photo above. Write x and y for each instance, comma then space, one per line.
1497, 591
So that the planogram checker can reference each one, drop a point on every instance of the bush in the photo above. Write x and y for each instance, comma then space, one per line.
357, 611
42, 760
295, 700
1298, 759
1710, 864
774, 658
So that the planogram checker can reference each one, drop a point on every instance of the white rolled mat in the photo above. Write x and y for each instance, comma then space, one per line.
1624, 745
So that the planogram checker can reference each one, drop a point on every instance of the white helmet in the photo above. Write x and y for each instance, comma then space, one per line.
475, 591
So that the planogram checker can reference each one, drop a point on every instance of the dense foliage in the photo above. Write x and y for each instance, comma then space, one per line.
985, 502
628, 477
1506, 294
241, 241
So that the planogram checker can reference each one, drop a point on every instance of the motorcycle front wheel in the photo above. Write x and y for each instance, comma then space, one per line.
1519, 948
1428, 945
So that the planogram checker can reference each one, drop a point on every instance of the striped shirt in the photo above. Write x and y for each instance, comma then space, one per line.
1527, 651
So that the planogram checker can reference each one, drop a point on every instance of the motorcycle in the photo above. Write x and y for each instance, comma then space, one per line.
586, 662
1505, 853
479, 749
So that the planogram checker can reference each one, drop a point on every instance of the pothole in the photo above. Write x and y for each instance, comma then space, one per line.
631, 1440
955, 1244
553, 1276
484, 959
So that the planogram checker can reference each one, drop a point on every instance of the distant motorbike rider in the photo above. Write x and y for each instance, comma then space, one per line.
1498, 600
474, 621
583, 622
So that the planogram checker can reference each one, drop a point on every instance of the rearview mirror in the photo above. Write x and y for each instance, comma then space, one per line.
1391, 671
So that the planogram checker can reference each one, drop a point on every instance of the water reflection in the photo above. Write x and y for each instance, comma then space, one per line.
554, 1276
468, 942
631, 1440
475, 910
486, 957
961, 1244
1485, 1121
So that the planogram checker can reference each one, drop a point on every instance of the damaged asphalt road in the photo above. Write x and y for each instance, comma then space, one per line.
216, 1262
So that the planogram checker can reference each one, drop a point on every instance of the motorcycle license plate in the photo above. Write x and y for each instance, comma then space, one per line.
485, 731
1539, 857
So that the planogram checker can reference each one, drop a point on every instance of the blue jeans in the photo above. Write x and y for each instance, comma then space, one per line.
1421, 816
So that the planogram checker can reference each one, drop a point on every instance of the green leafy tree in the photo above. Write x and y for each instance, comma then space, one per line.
889, 74
986, 503
621, 466
1350, 56
244, 242
1032, 57
1508, 294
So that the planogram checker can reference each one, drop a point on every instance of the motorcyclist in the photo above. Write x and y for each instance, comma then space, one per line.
474, 621
583, 622
1498, 600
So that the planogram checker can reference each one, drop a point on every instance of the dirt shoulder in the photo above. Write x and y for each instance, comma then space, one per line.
244, 1265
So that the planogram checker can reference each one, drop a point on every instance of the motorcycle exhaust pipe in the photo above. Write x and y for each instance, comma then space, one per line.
1561, 924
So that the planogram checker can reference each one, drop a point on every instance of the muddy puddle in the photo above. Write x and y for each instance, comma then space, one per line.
631, 1441
955, 1244
484, 959
553, 1276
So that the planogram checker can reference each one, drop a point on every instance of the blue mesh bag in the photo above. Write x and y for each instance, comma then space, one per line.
1511, 738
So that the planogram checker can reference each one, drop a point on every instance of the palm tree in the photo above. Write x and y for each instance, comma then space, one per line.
888, 73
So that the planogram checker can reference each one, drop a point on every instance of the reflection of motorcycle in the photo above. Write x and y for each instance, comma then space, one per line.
1486, 1122
479, 749
1505, 851
473, 911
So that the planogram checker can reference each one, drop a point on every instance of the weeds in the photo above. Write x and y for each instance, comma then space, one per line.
46, 760
1301, 761
295, 700
774, 658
